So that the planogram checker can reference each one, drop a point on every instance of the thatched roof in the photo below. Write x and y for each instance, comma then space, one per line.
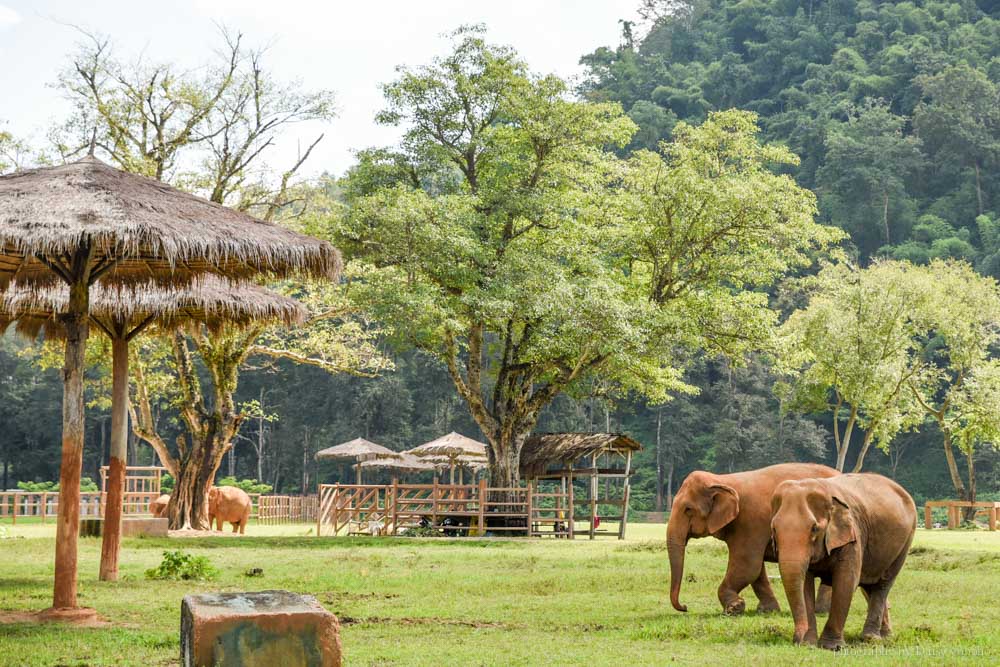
156, 232
470, 462
403, 463
209, 299
359, 449
546, 449
453, 444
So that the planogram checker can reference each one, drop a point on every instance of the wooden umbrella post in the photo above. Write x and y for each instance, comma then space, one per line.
111, 539
75, 322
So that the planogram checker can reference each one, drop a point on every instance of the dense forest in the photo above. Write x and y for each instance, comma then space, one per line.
894, 111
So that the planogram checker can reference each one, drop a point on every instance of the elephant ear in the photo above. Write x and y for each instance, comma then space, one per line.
840, 529
725, 506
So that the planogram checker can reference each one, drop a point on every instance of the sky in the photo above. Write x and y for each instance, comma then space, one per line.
350, 47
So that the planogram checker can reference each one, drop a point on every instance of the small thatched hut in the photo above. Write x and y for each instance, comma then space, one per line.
565, 457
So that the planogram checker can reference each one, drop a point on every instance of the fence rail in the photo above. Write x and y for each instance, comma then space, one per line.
954, 509
44, 505
274, 510
454, 509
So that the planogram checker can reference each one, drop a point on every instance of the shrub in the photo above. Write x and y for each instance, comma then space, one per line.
86, 484
166, 484
180, 565
248, 485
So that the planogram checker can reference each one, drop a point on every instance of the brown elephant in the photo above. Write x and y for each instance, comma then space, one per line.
228, 503
853, 530
736, 509
158, 507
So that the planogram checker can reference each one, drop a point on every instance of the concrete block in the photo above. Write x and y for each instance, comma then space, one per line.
131, 527
258, 630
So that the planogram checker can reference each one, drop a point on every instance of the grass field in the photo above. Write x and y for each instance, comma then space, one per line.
405, 601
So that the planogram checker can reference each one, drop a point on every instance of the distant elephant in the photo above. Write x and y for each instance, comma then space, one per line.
848, 531
736, 509
158, 507
228, 503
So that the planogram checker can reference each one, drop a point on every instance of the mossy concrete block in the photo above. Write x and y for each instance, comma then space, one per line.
257, 630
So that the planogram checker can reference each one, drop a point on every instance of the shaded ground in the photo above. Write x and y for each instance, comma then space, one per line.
406, 601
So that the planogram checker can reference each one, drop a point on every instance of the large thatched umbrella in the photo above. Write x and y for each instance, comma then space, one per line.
123, 313
451, 446
85, 222
359, 450
404, 463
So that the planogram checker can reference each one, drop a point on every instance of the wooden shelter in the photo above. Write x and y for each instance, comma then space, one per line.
86, 222
565, 458
123, 312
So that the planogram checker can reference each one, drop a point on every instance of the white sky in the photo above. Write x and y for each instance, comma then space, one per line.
349, 46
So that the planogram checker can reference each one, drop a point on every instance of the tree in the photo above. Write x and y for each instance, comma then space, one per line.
852, 348
960, 118
958, 385
870, 154
208, 130
504, 248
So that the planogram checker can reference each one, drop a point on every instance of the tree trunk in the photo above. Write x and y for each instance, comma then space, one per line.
505, 473
864, 450
188, 506
970, 513
845, 441
659, 462
949, 455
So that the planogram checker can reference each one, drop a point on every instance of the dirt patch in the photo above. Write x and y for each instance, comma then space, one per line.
190, 532
79, 618
377, 620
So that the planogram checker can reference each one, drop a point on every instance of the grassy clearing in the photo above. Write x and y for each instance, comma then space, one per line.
498, 602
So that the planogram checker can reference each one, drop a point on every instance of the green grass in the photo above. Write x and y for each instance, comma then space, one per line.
498, 602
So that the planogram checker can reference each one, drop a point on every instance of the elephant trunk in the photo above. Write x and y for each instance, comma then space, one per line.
793, 574
677, 536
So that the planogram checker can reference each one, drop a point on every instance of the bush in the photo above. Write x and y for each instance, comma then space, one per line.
166, 484
179, 565
86, 484
248, 485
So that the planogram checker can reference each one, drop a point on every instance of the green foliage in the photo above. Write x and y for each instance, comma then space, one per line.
179, 565
86, 485
248, 485
167, 483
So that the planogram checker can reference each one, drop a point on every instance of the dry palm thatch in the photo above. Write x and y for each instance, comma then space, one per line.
151, 230
358, 449
473, 463
114, 309
452, 445
404, 463
546, 449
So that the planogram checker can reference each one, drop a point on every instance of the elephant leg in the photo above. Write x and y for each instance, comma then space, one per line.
742, 571
845, 580
823, 599
762, 589
236, 526
809, 593
876, 595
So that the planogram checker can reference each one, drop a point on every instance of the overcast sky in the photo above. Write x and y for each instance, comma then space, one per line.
348, 46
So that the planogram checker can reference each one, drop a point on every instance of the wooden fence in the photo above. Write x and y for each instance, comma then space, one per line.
274, 510
954, 509
44, 505
454, 509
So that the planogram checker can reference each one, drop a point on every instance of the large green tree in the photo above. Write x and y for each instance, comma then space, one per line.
502, 237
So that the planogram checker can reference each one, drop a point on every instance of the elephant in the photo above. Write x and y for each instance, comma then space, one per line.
229, 503
853, 530
158, 507
735, 508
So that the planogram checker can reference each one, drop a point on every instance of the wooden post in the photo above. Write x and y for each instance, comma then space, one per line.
45, 499
593, 495
482, 505
928, 518
111, 538
626, 492
434, 503
395, 505
528, 504
319, 512
571, 503
992, 517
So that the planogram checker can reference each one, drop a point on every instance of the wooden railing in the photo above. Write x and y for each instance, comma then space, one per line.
954, 508
274, 510
44, 505
454, 509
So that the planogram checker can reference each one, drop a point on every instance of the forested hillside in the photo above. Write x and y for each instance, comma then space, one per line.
894, 110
